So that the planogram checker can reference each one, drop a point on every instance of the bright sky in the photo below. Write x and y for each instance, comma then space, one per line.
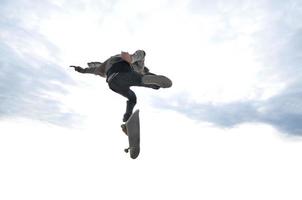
229, 128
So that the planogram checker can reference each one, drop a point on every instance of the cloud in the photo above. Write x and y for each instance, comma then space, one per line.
283, 111
276, 41
31, 78
246, 55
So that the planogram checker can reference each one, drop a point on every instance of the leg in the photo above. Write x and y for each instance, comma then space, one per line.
128, 77
121, 84
125, 91
130, 105
148, 80
133, 78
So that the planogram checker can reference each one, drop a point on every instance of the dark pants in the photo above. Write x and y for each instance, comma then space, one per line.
122, 82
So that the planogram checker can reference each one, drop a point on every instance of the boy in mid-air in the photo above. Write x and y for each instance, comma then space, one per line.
123, 71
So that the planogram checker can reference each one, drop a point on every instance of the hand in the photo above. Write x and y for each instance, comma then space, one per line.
77, 68
126, 57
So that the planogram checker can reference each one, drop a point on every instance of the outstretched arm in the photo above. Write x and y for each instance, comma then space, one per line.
78, 68
94, 68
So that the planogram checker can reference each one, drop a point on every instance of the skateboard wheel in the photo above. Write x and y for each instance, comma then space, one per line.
126, 150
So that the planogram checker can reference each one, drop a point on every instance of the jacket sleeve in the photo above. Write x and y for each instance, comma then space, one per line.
96, 68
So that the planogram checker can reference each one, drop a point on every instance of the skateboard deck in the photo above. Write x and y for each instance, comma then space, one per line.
132, 130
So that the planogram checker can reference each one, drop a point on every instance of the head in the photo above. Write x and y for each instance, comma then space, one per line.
140, 50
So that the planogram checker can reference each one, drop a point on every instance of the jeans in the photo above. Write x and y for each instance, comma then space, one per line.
121, 84
123, 80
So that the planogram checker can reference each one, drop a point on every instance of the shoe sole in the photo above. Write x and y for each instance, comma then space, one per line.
159, 80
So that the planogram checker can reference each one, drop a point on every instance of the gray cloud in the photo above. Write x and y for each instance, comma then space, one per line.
278, 46
283, 111
23, 88
26, 78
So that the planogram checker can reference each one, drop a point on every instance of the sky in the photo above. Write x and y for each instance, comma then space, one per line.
229, 128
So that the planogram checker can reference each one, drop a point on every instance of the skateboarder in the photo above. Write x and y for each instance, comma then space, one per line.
123, 71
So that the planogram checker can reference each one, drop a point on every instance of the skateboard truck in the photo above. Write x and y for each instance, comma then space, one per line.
124, 128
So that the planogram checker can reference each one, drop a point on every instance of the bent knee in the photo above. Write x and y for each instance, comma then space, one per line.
132, 98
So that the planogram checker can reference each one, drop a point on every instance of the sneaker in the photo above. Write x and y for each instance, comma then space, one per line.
159, 80
126, 116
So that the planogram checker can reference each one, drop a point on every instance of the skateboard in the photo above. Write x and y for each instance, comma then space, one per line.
132, 129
